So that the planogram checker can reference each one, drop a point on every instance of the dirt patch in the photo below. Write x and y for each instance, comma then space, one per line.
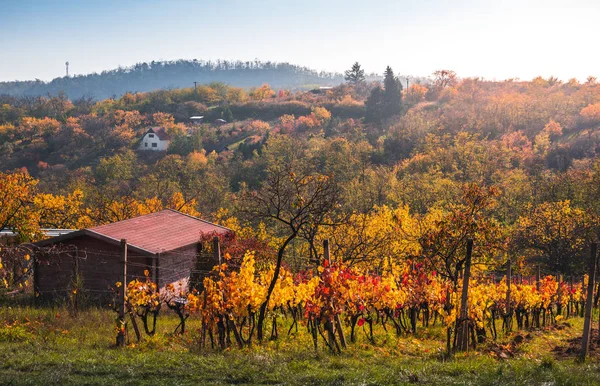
573, 347
506, 351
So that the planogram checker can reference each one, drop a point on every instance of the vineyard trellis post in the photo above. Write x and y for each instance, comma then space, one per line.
463, 321
122, 294
558, 295
326, 251
36, 280
508, 294
221, 324
217, 250
538, 287
75, 281
570, 304
587, 324
448, 309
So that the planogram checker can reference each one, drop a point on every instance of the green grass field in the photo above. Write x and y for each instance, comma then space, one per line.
50, 346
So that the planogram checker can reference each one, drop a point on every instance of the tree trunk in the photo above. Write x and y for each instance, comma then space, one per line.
463, 323
263, 308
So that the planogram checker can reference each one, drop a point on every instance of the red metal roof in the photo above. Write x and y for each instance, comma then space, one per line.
160, 231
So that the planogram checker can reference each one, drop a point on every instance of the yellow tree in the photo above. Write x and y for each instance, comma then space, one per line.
63, 212
33, 127
263, 92
375, 239
556, 235
415, 94
17, 191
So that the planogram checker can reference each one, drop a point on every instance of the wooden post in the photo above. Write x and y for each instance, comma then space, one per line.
463, 327
36, 279
154, 264
197, 276
75, 284
570, 304
217, 250
508, 305
587, 324
326, 251
448, 309
122, 293
558, 296
538, 286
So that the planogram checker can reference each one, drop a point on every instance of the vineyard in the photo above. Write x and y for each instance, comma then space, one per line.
395, 314
334, 303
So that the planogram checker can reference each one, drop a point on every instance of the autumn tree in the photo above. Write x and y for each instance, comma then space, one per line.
33, 128
555, 235
263, 92
374, 239
293, 197
442, 80
17, 191
591, 114
443, 234
61, 212
415, 94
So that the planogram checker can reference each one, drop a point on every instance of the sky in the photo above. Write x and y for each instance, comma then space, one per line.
497, 39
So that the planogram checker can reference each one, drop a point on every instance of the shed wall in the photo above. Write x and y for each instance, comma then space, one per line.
98, 263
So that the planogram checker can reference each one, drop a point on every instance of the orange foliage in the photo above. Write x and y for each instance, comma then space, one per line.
263, 92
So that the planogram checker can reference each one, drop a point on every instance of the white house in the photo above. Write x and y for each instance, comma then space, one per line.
156, 138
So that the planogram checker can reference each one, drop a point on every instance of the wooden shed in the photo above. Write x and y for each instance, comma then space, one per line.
166, 243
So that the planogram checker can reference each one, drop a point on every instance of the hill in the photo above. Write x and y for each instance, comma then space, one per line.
175, 74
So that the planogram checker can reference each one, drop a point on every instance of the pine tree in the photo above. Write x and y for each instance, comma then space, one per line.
392, 94
374, 105
355, 75
387, 102
226, 114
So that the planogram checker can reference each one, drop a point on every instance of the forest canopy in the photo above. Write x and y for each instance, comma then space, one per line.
395, 169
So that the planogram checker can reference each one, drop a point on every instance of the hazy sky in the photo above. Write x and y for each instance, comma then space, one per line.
493, 39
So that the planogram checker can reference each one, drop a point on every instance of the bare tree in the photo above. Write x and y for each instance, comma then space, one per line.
293, 195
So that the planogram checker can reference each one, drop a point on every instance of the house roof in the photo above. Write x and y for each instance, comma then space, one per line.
160, 133
197, 117
152, 233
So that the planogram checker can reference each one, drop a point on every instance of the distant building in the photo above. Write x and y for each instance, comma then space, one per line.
156, 138
197, 119
9, 237
220, 122
321, 90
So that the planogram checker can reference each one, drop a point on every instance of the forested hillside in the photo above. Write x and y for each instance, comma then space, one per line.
529, 147
175, 74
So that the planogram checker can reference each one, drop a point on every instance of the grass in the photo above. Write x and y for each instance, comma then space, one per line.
51, 346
